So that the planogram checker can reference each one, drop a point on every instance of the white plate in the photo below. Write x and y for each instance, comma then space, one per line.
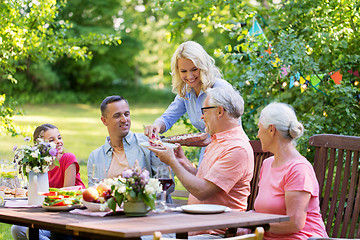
62, 208
147, 145
94, 207
203, 208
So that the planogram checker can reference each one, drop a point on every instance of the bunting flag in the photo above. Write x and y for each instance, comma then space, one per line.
314, 81
292, 79
285, 71
256, 30
337, 77
355, 73
303, 83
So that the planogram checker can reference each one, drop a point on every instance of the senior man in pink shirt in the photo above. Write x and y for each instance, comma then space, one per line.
227, 168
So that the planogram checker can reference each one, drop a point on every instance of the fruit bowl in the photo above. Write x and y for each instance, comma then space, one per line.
94, 207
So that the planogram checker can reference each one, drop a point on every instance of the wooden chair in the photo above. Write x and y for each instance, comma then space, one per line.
258, 235
259, 156
336, 164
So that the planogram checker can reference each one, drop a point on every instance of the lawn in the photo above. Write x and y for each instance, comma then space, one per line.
81, 129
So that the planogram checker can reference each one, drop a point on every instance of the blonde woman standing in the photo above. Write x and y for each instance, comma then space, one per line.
193, 72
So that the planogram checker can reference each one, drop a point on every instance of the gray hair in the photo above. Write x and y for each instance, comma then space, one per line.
227, 97
283, 117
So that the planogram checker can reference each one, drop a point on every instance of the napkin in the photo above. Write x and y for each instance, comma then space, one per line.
95, 214
19, 204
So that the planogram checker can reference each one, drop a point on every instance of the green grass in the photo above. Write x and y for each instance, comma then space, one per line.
81, 129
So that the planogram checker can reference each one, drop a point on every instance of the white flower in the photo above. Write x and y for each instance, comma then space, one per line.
155, 184
48, 159
52, 145
28, 169
21, 155
36, 169
35, 154
121, 189
149, 190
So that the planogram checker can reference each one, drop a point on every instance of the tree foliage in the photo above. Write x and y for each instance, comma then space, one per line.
31, 32
308, 38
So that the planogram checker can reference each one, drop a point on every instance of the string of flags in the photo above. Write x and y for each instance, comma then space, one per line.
298, 79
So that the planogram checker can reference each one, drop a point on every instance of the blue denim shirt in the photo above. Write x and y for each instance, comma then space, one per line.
101, 157
192, 106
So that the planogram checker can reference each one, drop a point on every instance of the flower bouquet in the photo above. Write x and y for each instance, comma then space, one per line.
133, 186
35, 158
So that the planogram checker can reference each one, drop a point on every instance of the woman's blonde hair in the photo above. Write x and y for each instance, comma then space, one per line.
195, 52
283, 117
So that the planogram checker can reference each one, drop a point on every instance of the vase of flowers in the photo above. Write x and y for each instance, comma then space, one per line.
135, 190
34, 162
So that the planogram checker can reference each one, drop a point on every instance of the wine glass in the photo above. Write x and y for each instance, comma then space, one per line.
163, 174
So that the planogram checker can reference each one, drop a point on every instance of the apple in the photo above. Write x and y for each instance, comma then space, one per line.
90, 194
102, 188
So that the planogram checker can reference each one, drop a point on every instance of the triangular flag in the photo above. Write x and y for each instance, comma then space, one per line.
356, 72
256, 30
303, 81
297, 76
284, 71
337, 77
315, 81
292, 81
276, 61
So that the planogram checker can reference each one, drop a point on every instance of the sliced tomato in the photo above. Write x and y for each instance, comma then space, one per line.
51, 193
61, 203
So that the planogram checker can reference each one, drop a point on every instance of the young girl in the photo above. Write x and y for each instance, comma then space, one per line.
64, 172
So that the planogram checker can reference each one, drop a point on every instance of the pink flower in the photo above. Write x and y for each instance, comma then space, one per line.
127, 173
53, 152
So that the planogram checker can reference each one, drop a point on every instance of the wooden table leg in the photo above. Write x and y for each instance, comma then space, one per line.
33, 233
182, 235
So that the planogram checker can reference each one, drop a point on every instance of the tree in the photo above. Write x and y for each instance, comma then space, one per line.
31, 32
293, 58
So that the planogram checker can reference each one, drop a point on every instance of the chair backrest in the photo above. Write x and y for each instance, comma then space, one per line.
258, 235
336, 164
259, 156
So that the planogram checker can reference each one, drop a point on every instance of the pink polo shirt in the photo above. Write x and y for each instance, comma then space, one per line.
228, 163
296, 175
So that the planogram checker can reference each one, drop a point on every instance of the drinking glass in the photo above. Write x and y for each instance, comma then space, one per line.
98, 173
163, 174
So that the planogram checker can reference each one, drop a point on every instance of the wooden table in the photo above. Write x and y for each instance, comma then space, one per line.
122, 227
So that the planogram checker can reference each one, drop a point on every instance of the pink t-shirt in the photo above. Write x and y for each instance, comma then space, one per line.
228, 163
297, 175
57, 174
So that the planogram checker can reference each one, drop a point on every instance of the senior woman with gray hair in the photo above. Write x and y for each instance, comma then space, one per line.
287, 184
227, 168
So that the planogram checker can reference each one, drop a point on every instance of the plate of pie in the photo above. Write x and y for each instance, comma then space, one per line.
186, 138
203, 208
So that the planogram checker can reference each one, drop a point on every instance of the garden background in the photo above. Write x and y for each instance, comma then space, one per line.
59, 59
